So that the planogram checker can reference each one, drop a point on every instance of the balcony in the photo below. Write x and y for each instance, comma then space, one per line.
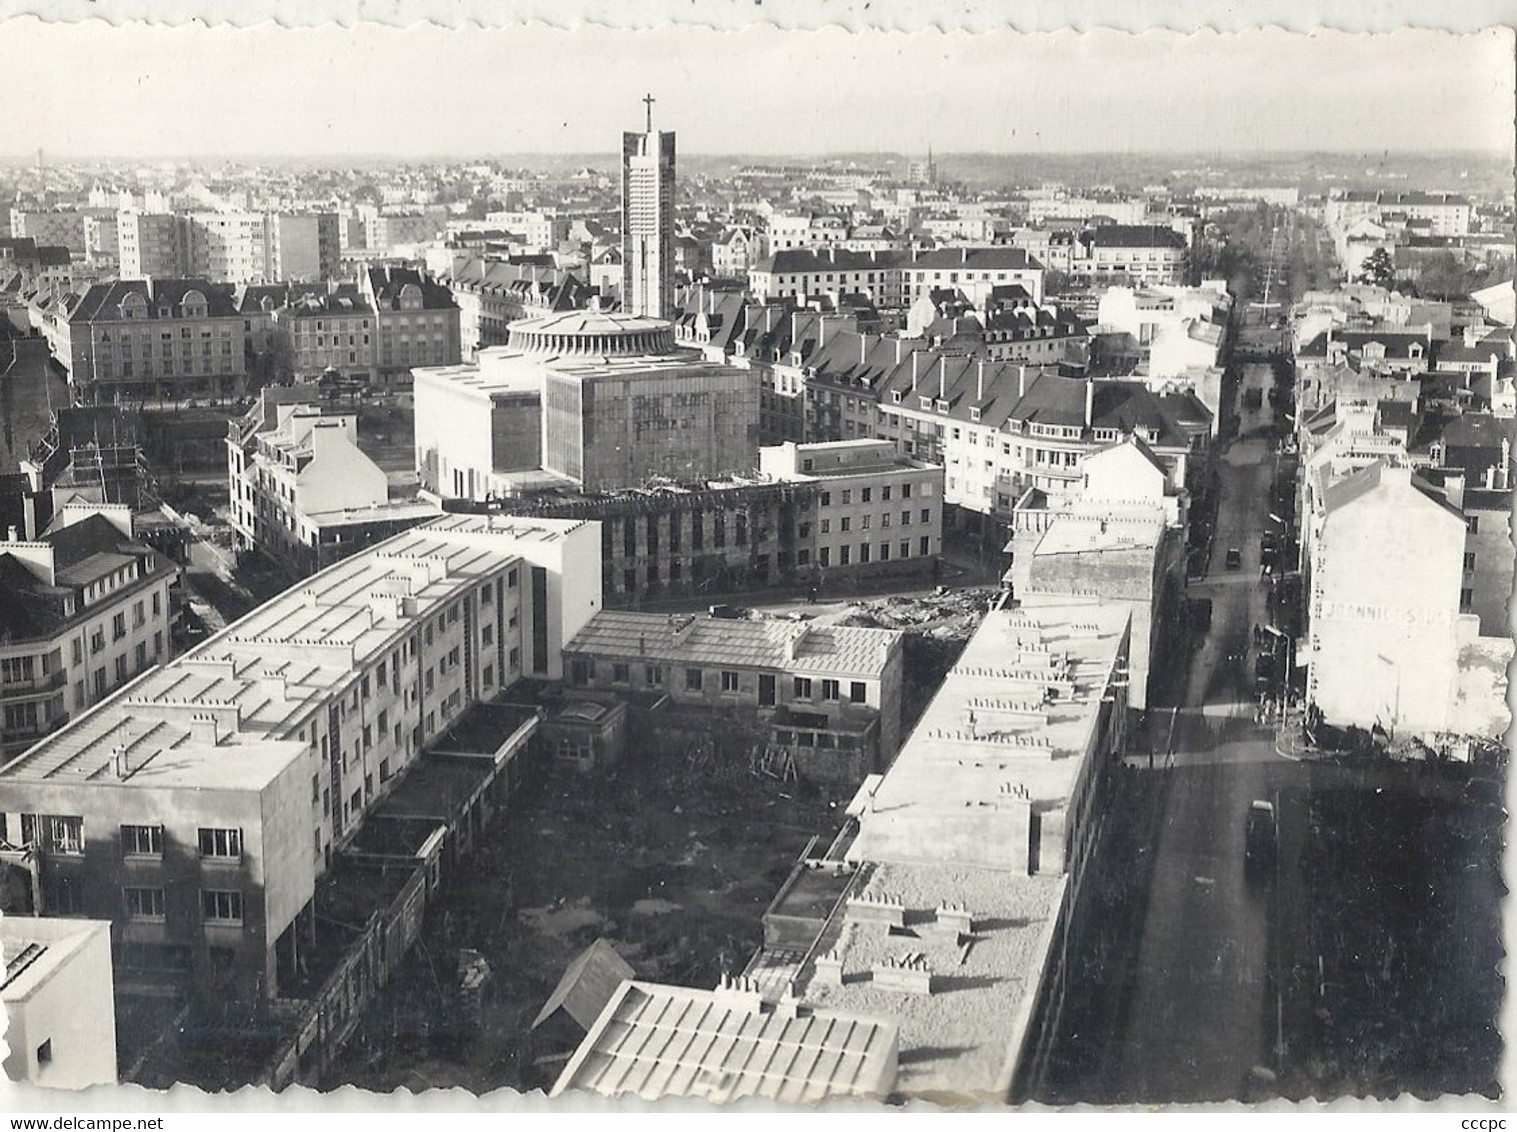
37, 685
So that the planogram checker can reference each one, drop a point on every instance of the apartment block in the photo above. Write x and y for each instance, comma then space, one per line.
332, 329
1146, 253
86, 609
139, 339
198, 807
305, 247
302, 493
63, 227
153, 245
874, 505
232, 247
417, 320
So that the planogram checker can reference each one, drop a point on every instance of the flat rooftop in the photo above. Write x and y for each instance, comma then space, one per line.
437, 786
484, 376
114, 746
508, 369
959, 1042
801, 647
1077, 534
396, 510
483, 728
265, 673
655, 1040
1015, 712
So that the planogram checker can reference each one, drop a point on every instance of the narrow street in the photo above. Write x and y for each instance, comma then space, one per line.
1343, 967
1203, 1014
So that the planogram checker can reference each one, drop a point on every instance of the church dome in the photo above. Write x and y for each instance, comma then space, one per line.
592, 333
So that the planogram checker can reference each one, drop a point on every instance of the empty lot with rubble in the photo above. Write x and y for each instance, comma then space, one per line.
673, 861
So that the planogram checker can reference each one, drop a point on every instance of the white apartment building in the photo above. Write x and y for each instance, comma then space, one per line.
152, 245
231, 247
1384, 630
199, 806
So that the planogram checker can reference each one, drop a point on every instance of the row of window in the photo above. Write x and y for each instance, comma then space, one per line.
866, 552
866, 494
845, 523
804, 687
218, 906
213, 843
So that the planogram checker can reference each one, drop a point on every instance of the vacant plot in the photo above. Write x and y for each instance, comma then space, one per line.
674, 864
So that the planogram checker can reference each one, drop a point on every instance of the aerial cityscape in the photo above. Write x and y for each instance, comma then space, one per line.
886, 618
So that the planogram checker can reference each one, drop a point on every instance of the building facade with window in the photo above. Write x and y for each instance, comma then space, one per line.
139, 339
828, 697
197, 807
85, 608
877, 510
328, 330
1143, 253
417, 320
302, 492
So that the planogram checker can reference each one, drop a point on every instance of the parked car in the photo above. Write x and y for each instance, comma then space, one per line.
1259, 834
1234, 558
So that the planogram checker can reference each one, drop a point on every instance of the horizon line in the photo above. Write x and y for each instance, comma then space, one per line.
29, 155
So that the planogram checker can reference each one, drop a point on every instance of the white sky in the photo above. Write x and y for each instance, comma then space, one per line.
138, 90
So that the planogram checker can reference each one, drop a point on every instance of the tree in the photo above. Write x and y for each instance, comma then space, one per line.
1378, 269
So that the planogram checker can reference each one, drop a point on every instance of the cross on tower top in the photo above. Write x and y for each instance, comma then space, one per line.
648, 101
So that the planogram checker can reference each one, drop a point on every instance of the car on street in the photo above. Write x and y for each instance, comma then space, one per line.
1234, 558
1259, 833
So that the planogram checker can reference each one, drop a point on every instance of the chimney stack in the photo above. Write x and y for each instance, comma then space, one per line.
915, 355
979, 383
204, 729
1090, 399
942, 377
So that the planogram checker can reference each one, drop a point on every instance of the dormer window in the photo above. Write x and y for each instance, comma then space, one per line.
974, 414
941, 406
895, 396
926, 402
